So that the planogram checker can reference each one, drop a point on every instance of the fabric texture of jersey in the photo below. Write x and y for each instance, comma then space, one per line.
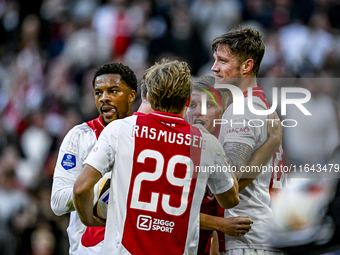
155, 194
255, 198
92, 239
210, 206
74, 149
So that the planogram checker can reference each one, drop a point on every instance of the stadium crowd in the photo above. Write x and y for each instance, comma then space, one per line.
49, 50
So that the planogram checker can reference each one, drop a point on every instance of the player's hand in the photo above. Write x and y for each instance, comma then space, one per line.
274, 129
235, 226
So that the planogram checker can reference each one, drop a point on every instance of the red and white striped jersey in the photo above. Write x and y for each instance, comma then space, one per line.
158, 182
93, 237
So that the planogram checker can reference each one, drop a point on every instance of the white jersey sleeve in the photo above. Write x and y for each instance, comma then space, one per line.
73, 151
249, 128
220, 179
103, 154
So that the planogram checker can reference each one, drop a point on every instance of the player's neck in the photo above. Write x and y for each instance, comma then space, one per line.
184, 111
246, 83
145, 107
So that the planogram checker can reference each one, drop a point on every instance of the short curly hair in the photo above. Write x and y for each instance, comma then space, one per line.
117, 68
244, 43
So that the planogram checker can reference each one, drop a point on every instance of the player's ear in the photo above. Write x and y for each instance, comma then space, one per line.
187, 104
132, 96
247, 66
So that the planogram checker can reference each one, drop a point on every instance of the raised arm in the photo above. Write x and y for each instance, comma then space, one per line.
83, 195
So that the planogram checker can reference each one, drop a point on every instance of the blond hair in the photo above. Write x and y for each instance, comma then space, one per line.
169, 85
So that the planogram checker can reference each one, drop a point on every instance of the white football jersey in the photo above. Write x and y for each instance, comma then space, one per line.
74, 149
255, 198
157, 184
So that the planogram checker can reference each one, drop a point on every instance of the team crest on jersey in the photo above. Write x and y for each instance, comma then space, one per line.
68, 161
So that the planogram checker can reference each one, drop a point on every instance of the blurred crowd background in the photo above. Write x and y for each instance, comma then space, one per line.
49, 50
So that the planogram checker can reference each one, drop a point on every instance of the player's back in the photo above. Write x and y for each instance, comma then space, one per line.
155, 193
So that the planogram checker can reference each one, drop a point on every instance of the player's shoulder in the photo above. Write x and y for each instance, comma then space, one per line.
125, 121
82, 128
120, 124
77, 143
210, 140
258, 98
259, 102
80, 131
201, 128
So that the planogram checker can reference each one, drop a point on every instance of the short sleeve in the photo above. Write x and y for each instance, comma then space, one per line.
248, 128
220, 180
103, 153
240, 132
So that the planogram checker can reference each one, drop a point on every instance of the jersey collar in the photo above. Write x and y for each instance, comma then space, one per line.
167, 115
256, 92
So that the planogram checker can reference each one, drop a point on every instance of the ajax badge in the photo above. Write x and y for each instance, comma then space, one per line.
68, 161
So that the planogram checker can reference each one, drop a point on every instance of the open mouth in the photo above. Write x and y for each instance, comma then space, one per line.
108, 110
199, 122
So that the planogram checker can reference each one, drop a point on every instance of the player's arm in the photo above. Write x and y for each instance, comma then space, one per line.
223, 185
61, 197
67, 168
230, 198
234, 226
263, 154
83, 195
238, 155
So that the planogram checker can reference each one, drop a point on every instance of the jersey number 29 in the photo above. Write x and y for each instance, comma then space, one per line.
151, 177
